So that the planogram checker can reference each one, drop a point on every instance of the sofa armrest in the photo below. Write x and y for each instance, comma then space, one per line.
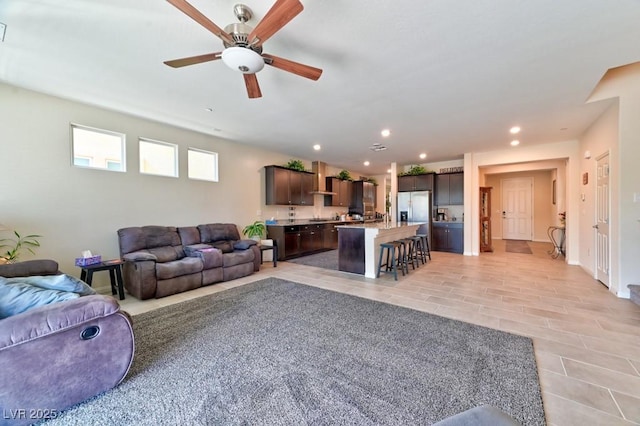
139, 256
244, 244
53, 318
61, 354
29, 268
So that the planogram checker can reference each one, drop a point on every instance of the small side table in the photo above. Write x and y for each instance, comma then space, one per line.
115, 274
558, 241
274, 247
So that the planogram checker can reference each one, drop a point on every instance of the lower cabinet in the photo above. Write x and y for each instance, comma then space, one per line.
299, 240
447, 236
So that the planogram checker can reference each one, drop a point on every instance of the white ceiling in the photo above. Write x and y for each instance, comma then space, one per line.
446, 76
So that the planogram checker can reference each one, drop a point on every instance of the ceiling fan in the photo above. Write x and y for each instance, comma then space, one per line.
243, 44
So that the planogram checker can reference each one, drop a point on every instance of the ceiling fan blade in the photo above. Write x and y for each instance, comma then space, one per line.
253, 89
197, 16
277, 17
192, 60
293, 67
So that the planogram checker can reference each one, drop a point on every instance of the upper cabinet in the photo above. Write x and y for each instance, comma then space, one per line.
343, 190
449, 189
415, 183
288, 187
363, 193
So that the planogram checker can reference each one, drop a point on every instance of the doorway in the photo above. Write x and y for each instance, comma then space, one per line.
517, 208
602, 219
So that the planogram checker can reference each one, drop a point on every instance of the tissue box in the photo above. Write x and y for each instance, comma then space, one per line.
86, 261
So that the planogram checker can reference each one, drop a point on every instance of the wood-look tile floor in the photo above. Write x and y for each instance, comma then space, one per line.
586, 340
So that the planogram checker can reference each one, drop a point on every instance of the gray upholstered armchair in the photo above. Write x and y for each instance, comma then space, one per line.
59, 354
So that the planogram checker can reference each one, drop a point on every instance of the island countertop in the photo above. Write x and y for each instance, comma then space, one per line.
379, 225
359, 244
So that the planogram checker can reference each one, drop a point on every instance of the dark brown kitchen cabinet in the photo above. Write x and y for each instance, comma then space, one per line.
311, 238
415, 183
447, 236
330, 236
343, 191
288, 187
363, 193
303, 239
449, 189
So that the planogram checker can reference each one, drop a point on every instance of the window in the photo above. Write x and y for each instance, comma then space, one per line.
97, 149
158, 158
203, 165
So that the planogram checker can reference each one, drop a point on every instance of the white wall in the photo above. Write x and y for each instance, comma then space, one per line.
475, 164
75, 209
622, 83
600, 138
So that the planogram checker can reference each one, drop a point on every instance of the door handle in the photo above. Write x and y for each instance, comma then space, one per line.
595, 227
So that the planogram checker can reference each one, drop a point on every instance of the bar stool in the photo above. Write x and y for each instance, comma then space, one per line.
410, 253
391, 263
425, 244
419, 252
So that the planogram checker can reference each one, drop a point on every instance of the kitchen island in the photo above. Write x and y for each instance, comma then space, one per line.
359, 244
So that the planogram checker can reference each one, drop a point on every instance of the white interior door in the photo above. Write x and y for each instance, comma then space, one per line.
517, 208
602, 220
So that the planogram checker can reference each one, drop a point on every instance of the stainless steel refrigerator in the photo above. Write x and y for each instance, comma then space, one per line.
416, 207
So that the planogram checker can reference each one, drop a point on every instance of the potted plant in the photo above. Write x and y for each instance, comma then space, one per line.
16, 245
255, 231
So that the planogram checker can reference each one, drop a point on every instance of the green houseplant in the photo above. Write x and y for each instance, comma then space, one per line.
344, 175
255, 231
295, 165
15, 246
414, 171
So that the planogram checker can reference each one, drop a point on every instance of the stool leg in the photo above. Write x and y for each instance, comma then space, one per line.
426, 241
380, 262
423, 256
394, 266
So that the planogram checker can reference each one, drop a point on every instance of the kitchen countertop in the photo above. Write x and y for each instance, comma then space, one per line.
380, 225
312, 222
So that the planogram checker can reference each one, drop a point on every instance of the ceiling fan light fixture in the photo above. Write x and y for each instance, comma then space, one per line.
242, 59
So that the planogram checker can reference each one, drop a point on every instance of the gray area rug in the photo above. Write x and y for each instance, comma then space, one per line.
326, 260
276, 352
517, 246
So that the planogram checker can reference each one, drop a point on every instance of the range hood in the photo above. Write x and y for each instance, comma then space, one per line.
320, 181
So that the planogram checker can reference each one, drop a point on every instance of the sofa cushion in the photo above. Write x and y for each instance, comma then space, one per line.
177, 268
223, 246
213, 232
147, 237
193, 249
189, 235
20, 294
238, 257
167, 253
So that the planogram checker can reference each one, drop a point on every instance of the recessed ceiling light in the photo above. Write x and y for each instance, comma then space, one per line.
515, 143
209, 109
366, 163
385, 133
317, 147
514, 130
423, 156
